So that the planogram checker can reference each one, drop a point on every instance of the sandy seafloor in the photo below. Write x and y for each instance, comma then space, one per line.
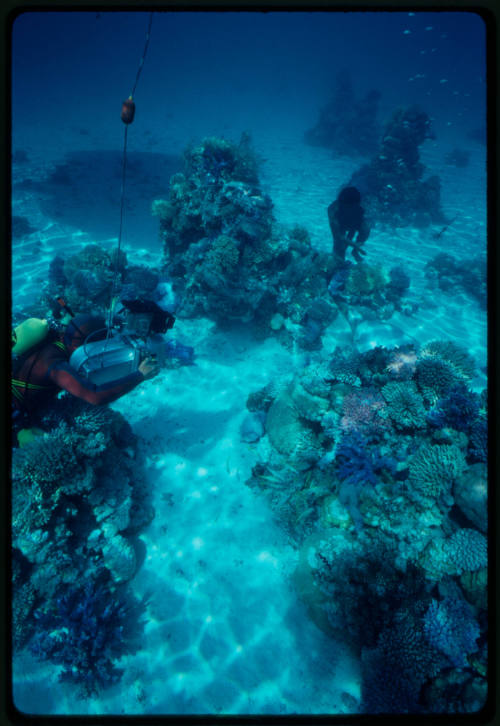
226, 631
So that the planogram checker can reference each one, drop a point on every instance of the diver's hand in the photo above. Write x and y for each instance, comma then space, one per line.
358, 255
149, 368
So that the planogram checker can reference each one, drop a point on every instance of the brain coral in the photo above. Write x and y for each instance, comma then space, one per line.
288, 434
433, 470
404, 405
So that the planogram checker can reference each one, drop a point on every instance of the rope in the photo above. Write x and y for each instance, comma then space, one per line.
122, 192
141, 62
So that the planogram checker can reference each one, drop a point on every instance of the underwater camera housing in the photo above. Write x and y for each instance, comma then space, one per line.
105, 361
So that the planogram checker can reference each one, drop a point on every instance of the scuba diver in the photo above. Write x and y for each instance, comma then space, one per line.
83, 360
348, 225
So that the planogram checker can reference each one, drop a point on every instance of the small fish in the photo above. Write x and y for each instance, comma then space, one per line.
437, 235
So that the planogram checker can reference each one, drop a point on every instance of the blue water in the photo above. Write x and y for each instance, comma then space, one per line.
231, 635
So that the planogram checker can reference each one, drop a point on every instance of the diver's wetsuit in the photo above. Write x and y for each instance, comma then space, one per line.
47, 371
344, 230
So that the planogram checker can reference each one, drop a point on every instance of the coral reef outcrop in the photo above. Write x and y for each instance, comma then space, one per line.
79, 499
392, 184
370, 472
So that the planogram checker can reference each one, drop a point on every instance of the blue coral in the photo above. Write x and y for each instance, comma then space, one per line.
478, 441
338, 281
466, 550
85, 631
354, 462
450, 626
459, 410
395, 671
435, 377
358, 464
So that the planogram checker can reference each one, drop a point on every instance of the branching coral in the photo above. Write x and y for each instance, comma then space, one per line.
459, 409
464, 551
467, 550
76, 501
404, 405
435, 378
450, 626
433, 470
343, 366
461, 363
46, 462
394, 672
361, 412
478, 440
405, 487
87, 629
357, 465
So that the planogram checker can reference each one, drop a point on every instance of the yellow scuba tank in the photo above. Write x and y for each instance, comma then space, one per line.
28, 334
26, 436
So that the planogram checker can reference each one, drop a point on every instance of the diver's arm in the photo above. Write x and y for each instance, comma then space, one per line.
64, 376
333, 221
364, 233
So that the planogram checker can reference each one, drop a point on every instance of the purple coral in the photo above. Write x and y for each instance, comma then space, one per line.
361, 412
